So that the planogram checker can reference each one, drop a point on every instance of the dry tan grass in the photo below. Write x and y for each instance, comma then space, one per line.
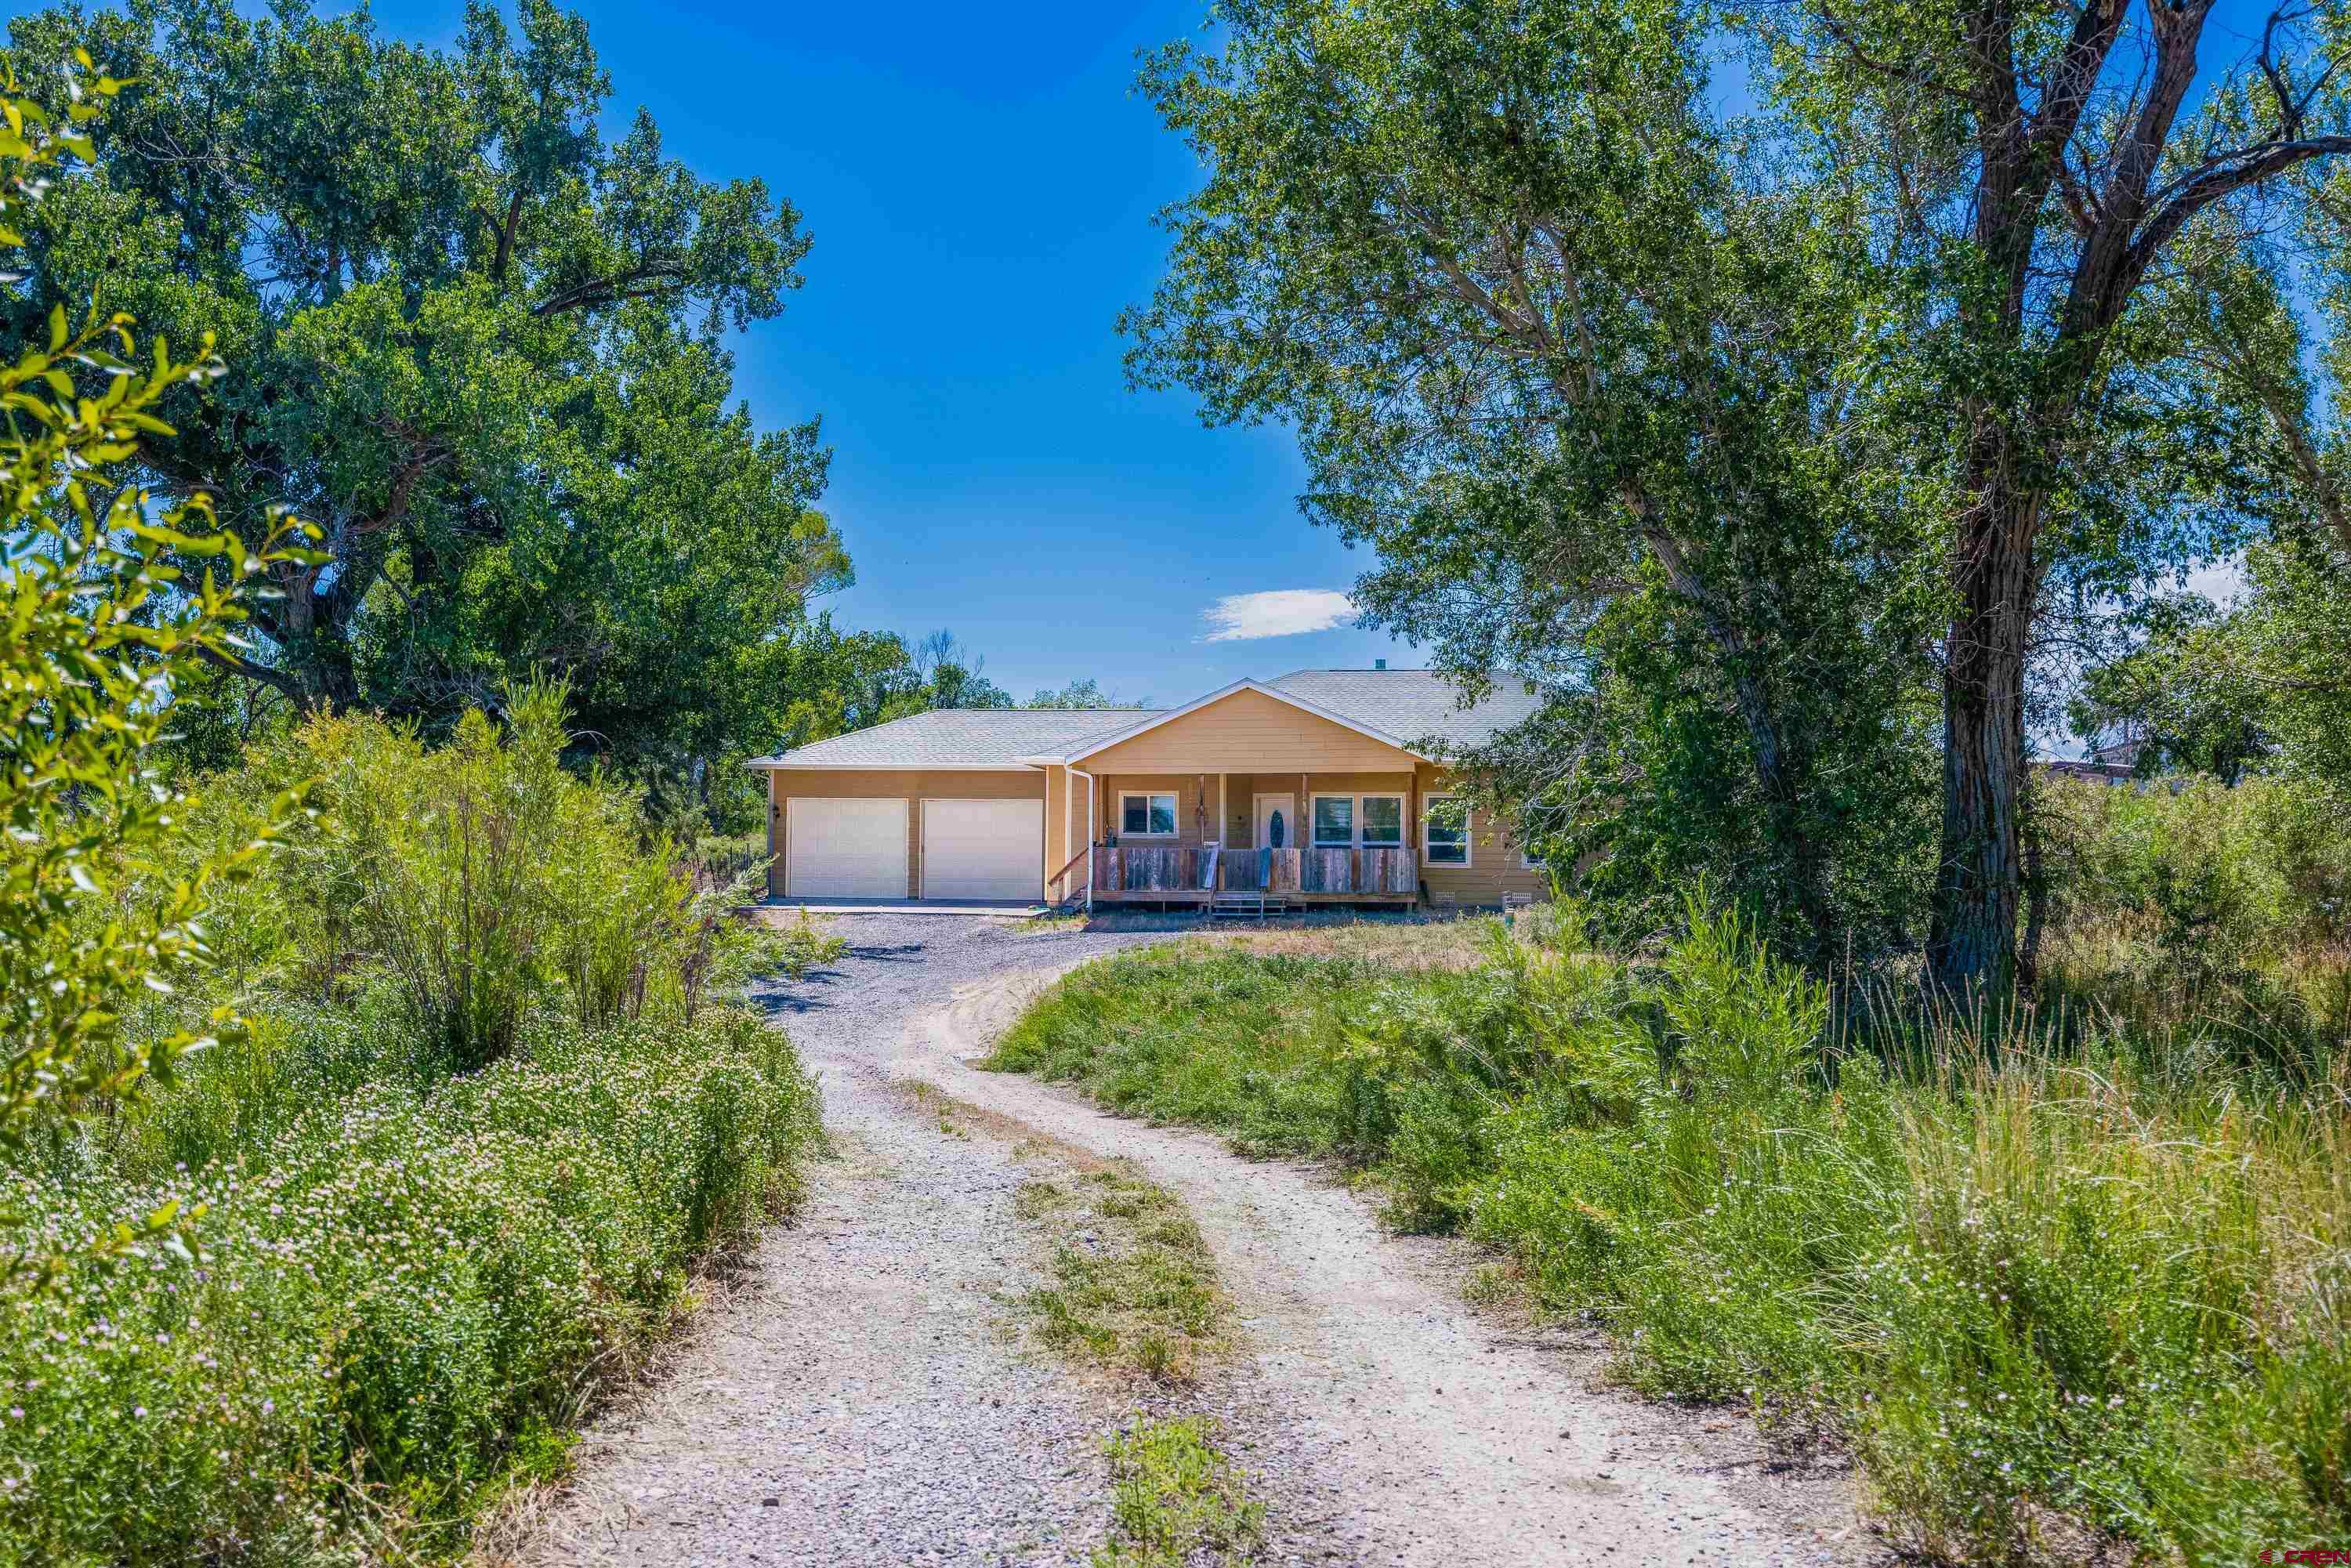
1415, 941
1453, 944
1134, 1287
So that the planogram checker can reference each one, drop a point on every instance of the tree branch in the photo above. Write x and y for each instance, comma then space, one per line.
619, 286
2222, 175
507, 235
278, 680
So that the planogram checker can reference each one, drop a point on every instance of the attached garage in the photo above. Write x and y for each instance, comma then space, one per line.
845, 848
983, 849
936, 806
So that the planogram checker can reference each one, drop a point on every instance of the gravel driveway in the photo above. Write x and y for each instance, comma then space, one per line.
864, 1404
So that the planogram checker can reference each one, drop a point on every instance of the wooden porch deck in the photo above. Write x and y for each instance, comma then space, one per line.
1195, 873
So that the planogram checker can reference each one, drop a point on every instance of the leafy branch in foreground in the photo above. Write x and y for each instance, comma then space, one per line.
98, 627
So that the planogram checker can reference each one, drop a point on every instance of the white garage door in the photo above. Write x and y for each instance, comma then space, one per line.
845, 849
983, 849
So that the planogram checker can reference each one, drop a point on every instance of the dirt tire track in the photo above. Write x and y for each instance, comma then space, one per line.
1443, 1435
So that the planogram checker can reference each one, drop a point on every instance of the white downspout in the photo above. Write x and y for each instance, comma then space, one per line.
1089, 836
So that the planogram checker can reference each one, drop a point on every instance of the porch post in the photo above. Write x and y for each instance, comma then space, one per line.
1224, 830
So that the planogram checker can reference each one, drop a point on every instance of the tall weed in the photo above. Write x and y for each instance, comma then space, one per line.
490, 1110
485, 880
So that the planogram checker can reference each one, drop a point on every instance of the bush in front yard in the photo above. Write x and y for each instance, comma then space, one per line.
403, 1296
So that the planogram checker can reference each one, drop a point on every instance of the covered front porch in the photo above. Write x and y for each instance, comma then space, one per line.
1172, 836
1193, 874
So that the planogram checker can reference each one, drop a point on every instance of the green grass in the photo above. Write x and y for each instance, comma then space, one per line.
2052, 1303
1134, 1286
1178, 1499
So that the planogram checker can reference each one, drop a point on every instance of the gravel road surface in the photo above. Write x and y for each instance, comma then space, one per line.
864, 1404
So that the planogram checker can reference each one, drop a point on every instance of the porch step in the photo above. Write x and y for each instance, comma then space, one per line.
1228, 905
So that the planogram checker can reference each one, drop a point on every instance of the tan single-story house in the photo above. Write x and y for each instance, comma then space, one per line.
1323, 785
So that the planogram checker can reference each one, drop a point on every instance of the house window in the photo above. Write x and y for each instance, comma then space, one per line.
1146, 816
1342, 821
1445, 832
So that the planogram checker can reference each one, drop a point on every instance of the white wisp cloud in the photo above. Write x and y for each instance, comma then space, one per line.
1275, 612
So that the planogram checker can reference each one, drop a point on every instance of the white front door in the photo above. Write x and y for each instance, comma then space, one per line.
1277, 822
983, 849
845, 849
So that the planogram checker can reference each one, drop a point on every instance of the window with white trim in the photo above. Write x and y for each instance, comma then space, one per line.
1146, 816
1445, 830
1349, 822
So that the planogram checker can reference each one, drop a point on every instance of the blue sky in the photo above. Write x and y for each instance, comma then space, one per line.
980, 184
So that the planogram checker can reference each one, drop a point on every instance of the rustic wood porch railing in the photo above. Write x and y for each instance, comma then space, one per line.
1179, 869
1054, 883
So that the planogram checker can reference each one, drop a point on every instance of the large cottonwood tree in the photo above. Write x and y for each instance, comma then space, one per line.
2035, 164
1591, 386
474, 339
1601, 371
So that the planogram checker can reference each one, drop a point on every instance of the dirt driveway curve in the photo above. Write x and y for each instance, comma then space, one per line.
864, 1404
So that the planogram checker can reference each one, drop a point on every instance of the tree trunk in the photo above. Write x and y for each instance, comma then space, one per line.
323, 666
1778, 775
2037, 892
1972, 948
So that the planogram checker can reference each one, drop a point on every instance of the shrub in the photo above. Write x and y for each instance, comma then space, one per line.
2204, 920
97, 626
402, 1293
483, 879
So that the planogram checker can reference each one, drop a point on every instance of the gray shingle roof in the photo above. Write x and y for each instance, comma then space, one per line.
1413, 704
951, 737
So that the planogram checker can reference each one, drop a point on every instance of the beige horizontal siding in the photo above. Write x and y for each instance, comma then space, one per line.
1191, 792
1493, 869
1246, 730
1242, 789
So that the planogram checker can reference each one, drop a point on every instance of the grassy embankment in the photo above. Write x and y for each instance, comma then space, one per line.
2067, 1290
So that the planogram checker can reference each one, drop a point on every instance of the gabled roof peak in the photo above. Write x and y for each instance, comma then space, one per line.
1094, 743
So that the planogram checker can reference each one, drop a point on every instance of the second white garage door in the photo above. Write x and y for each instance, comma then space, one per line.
845, 849
983, 849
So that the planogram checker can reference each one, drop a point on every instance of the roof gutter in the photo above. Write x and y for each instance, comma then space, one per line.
786, 765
